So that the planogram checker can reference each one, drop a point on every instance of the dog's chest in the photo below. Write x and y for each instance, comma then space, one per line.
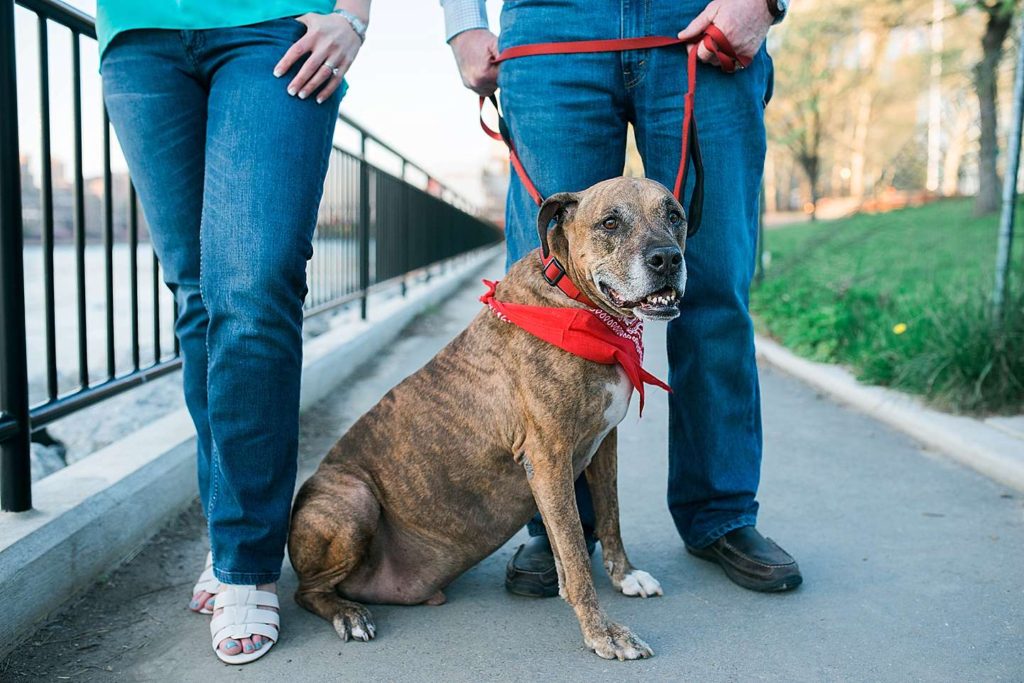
620, 390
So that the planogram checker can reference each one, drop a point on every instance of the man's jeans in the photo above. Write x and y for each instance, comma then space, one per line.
568, 116
230, 170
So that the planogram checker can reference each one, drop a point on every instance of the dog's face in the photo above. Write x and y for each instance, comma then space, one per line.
624, 240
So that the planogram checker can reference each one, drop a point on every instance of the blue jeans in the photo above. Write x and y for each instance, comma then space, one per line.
568, 117
230, 171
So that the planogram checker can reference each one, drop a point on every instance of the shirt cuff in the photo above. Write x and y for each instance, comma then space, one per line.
463, 15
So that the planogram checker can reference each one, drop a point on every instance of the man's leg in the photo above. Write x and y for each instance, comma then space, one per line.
567, 119
714, 409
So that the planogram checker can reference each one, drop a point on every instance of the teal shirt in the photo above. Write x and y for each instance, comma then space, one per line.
114, 16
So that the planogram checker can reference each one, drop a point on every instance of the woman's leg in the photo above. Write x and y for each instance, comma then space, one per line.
158, 109
266, 158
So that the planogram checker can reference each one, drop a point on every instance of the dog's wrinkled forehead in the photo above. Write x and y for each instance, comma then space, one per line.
630, 198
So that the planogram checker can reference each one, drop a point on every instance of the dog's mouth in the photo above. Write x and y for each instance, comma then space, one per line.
662, 304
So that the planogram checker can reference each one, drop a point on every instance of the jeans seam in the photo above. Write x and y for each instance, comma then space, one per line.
214, 452
187, 48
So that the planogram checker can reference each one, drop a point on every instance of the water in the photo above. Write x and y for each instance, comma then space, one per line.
332, 272
66, 315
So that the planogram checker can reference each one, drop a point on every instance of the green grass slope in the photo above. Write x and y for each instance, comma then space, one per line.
901, 298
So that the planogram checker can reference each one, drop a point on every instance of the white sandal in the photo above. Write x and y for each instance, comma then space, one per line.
244, 616
207, 582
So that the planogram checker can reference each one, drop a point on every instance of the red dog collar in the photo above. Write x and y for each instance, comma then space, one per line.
554, 273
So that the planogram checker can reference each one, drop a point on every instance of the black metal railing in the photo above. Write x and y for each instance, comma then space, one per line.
101, 321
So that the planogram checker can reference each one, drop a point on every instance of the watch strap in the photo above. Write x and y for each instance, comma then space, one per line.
359, 26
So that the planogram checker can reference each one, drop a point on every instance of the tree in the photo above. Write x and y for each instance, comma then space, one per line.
999, 16
809, 67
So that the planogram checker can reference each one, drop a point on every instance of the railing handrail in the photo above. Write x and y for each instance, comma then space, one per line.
64, 14
82, 22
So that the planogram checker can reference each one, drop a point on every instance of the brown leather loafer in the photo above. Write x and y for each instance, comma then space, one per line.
752, 561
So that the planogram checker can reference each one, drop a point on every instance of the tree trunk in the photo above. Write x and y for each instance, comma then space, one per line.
955, 153
771, 187
810, 166
985, 82
870, 62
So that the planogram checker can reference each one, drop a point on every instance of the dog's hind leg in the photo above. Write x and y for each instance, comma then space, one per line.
332, 526
602, 480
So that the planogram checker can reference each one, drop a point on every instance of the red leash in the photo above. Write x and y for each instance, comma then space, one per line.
712, 39
591, 333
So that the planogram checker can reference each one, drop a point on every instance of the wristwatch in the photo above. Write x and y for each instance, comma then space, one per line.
777, 8
359, 26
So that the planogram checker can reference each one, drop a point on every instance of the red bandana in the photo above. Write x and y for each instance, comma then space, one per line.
588, 333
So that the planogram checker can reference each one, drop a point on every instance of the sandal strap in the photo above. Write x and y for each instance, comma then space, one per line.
239, 631
207, 582
246, 595
243, 615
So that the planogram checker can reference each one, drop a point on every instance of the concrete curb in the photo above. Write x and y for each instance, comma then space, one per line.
95, 514
986, 448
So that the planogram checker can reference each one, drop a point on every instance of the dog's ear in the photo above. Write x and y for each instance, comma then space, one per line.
558, 207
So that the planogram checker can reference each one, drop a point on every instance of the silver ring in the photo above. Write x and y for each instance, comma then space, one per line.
334, 69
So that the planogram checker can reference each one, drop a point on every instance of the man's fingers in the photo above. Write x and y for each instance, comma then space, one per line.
313, 63
699, 24
485, 83
485, 88
292, 55
706, 55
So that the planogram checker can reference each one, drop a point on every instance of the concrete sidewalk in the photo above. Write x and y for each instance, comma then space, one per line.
913, 570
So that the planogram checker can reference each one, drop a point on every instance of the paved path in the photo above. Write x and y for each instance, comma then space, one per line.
914, 570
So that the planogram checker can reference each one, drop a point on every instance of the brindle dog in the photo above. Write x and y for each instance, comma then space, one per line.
455, 459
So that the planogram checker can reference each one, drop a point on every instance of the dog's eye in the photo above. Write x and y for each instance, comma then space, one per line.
674, 218
610, 223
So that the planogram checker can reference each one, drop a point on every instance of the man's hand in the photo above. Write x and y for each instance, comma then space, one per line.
475, 51
744, 22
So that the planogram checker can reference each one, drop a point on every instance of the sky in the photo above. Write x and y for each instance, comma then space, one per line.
404, 88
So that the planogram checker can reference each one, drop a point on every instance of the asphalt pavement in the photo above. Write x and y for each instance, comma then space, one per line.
913, 570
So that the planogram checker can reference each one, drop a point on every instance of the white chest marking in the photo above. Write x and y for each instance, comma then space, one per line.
621, 391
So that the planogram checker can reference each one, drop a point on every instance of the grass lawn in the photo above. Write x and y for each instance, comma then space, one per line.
902, 299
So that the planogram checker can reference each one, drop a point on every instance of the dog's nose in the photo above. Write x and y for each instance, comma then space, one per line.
664, 259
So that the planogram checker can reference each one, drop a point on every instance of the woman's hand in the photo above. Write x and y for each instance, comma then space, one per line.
744, 22
331, 44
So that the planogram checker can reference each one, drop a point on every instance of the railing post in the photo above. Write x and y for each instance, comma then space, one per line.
405, 229
15, 451
364, 225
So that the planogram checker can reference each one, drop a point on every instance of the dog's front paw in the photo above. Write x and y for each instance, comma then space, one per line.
638, 582
614, 641
354, 622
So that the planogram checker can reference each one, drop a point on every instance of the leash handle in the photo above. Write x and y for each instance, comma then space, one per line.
712, 39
